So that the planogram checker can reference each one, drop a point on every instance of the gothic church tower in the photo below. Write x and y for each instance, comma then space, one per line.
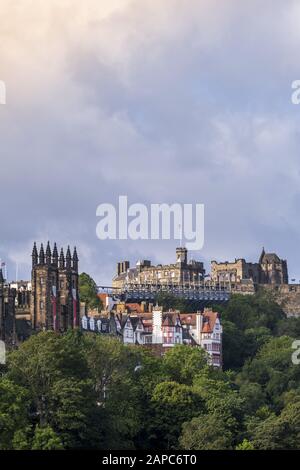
55, 299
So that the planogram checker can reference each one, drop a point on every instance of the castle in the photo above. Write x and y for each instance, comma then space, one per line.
270, 269
179, 273
240, 275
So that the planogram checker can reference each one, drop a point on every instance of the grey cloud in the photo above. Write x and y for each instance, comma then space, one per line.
165, 102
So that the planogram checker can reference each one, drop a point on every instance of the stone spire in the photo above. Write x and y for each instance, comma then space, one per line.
61, 259
34, 255
42, 255
262, 255
55, 255
75, 260
48, 254
68, 259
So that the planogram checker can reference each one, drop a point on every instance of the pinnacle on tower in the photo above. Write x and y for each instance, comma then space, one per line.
262, 255
1, 277
42, 255
68, 258
75, 259
34, 255
48, 254
61, 259
55, 255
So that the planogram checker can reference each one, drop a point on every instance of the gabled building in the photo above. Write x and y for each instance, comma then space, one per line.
204, 329
167, 328
162, 330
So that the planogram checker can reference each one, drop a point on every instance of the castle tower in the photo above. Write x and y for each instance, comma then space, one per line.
181, 255
273, 270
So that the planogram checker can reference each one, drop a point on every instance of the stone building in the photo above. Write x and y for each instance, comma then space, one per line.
269, 269
183, 272
54, 301
7, 313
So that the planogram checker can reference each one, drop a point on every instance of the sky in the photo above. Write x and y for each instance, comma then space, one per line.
160, 100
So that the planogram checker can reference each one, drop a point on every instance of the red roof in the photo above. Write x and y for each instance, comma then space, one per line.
188, 319
209, 321
134, 307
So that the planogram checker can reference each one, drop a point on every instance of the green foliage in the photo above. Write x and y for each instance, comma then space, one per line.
206, 432
181, 363
88, 292
14, 404
171, 405
245, 445
46, 439
90, 391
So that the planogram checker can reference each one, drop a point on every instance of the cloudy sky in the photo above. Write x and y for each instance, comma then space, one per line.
160, 100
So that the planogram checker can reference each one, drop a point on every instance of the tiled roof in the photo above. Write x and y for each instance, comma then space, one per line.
188, 319
134, 307
209, 320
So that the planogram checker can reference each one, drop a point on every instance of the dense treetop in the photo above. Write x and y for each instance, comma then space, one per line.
83, 390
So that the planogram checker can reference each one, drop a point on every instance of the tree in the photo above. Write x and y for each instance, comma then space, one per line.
181, 363
53, 370
252, 311
88, 292
233, 346
245, 445
206, 432
171, 405
221, 398
289, 327
46, 439
112, 367
14, 405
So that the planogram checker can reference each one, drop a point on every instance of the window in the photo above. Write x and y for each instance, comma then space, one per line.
42, 305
